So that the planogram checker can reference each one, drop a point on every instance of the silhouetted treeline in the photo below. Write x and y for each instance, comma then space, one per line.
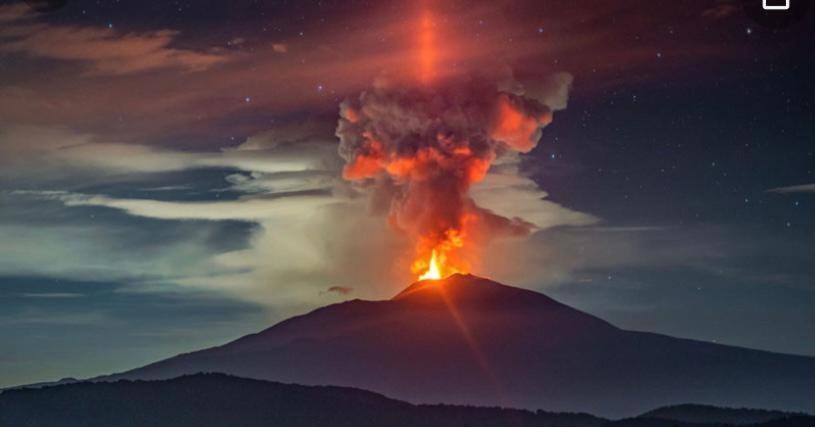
220, 400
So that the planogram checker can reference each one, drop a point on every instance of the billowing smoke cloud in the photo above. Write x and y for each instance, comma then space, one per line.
422, 147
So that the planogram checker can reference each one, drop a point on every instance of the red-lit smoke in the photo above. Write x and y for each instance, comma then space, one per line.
421, 147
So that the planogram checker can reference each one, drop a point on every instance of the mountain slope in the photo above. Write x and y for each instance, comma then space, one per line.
469, 340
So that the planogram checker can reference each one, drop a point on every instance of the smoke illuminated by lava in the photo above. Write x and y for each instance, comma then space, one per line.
422, 144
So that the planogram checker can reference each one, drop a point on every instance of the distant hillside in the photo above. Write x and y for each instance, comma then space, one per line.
221, 400
785, 421
690, 415
204, 400
704, 413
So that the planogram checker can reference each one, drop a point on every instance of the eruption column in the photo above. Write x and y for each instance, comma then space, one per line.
420, 147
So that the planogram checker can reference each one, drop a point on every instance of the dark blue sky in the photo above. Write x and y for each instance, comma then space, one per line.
169, 177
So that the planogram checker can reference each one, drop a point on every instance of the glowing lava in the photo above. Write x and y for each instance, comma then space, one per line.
440, 255
433, 270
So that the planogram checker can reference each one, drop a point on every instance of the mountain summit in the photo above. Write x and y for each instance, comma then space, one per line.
470, 340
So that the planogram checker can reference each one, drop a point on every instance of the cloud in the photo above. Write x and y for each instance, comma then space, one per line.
275, 159
508, 193
721, 9
201, 102
141, 158
804, 188
552, 90
300, 246
106, 51
14, 12
44, 317
105, 251
50, 295
282, 182
246, 209
340, 290
304, 221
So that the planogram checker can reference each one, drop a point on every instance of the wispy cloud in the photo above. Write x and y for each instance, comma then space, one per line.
49, 295
44, 317
303, 244
804, 188
721, 9
339, 290
104, 50
508, 193
247, 209
275, 160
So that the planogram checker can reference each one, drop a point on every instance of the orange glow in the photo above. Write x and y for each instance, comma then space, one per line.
361, 167
367, 165
516, 127
433, 270
438, 259
427, 49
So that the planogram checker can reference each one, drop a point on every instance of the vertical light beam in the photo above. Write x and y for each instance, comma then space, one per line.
427, 48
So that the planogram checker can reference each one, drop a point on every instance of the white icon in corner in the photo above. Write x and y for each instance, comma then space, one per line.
776, 4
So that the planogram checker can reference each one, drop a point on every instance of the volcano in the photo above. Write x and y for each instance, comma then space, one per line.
469, 340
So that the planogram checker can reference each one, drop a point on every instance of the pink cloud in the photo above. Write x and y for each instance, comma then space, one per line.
106, 51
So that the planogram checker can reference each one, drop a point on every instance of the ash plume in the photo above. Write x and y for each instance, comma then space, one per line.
421, 147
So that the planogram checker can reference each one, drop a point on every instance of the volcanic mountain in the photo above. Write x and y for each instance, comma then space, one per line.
469, 340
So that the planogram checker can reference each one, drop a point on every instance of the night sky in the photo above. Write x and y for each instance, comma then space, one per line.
169, 176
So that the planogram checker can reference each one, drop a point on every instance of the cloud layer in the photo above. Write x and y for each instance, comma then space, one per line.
105, 51
803, 188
